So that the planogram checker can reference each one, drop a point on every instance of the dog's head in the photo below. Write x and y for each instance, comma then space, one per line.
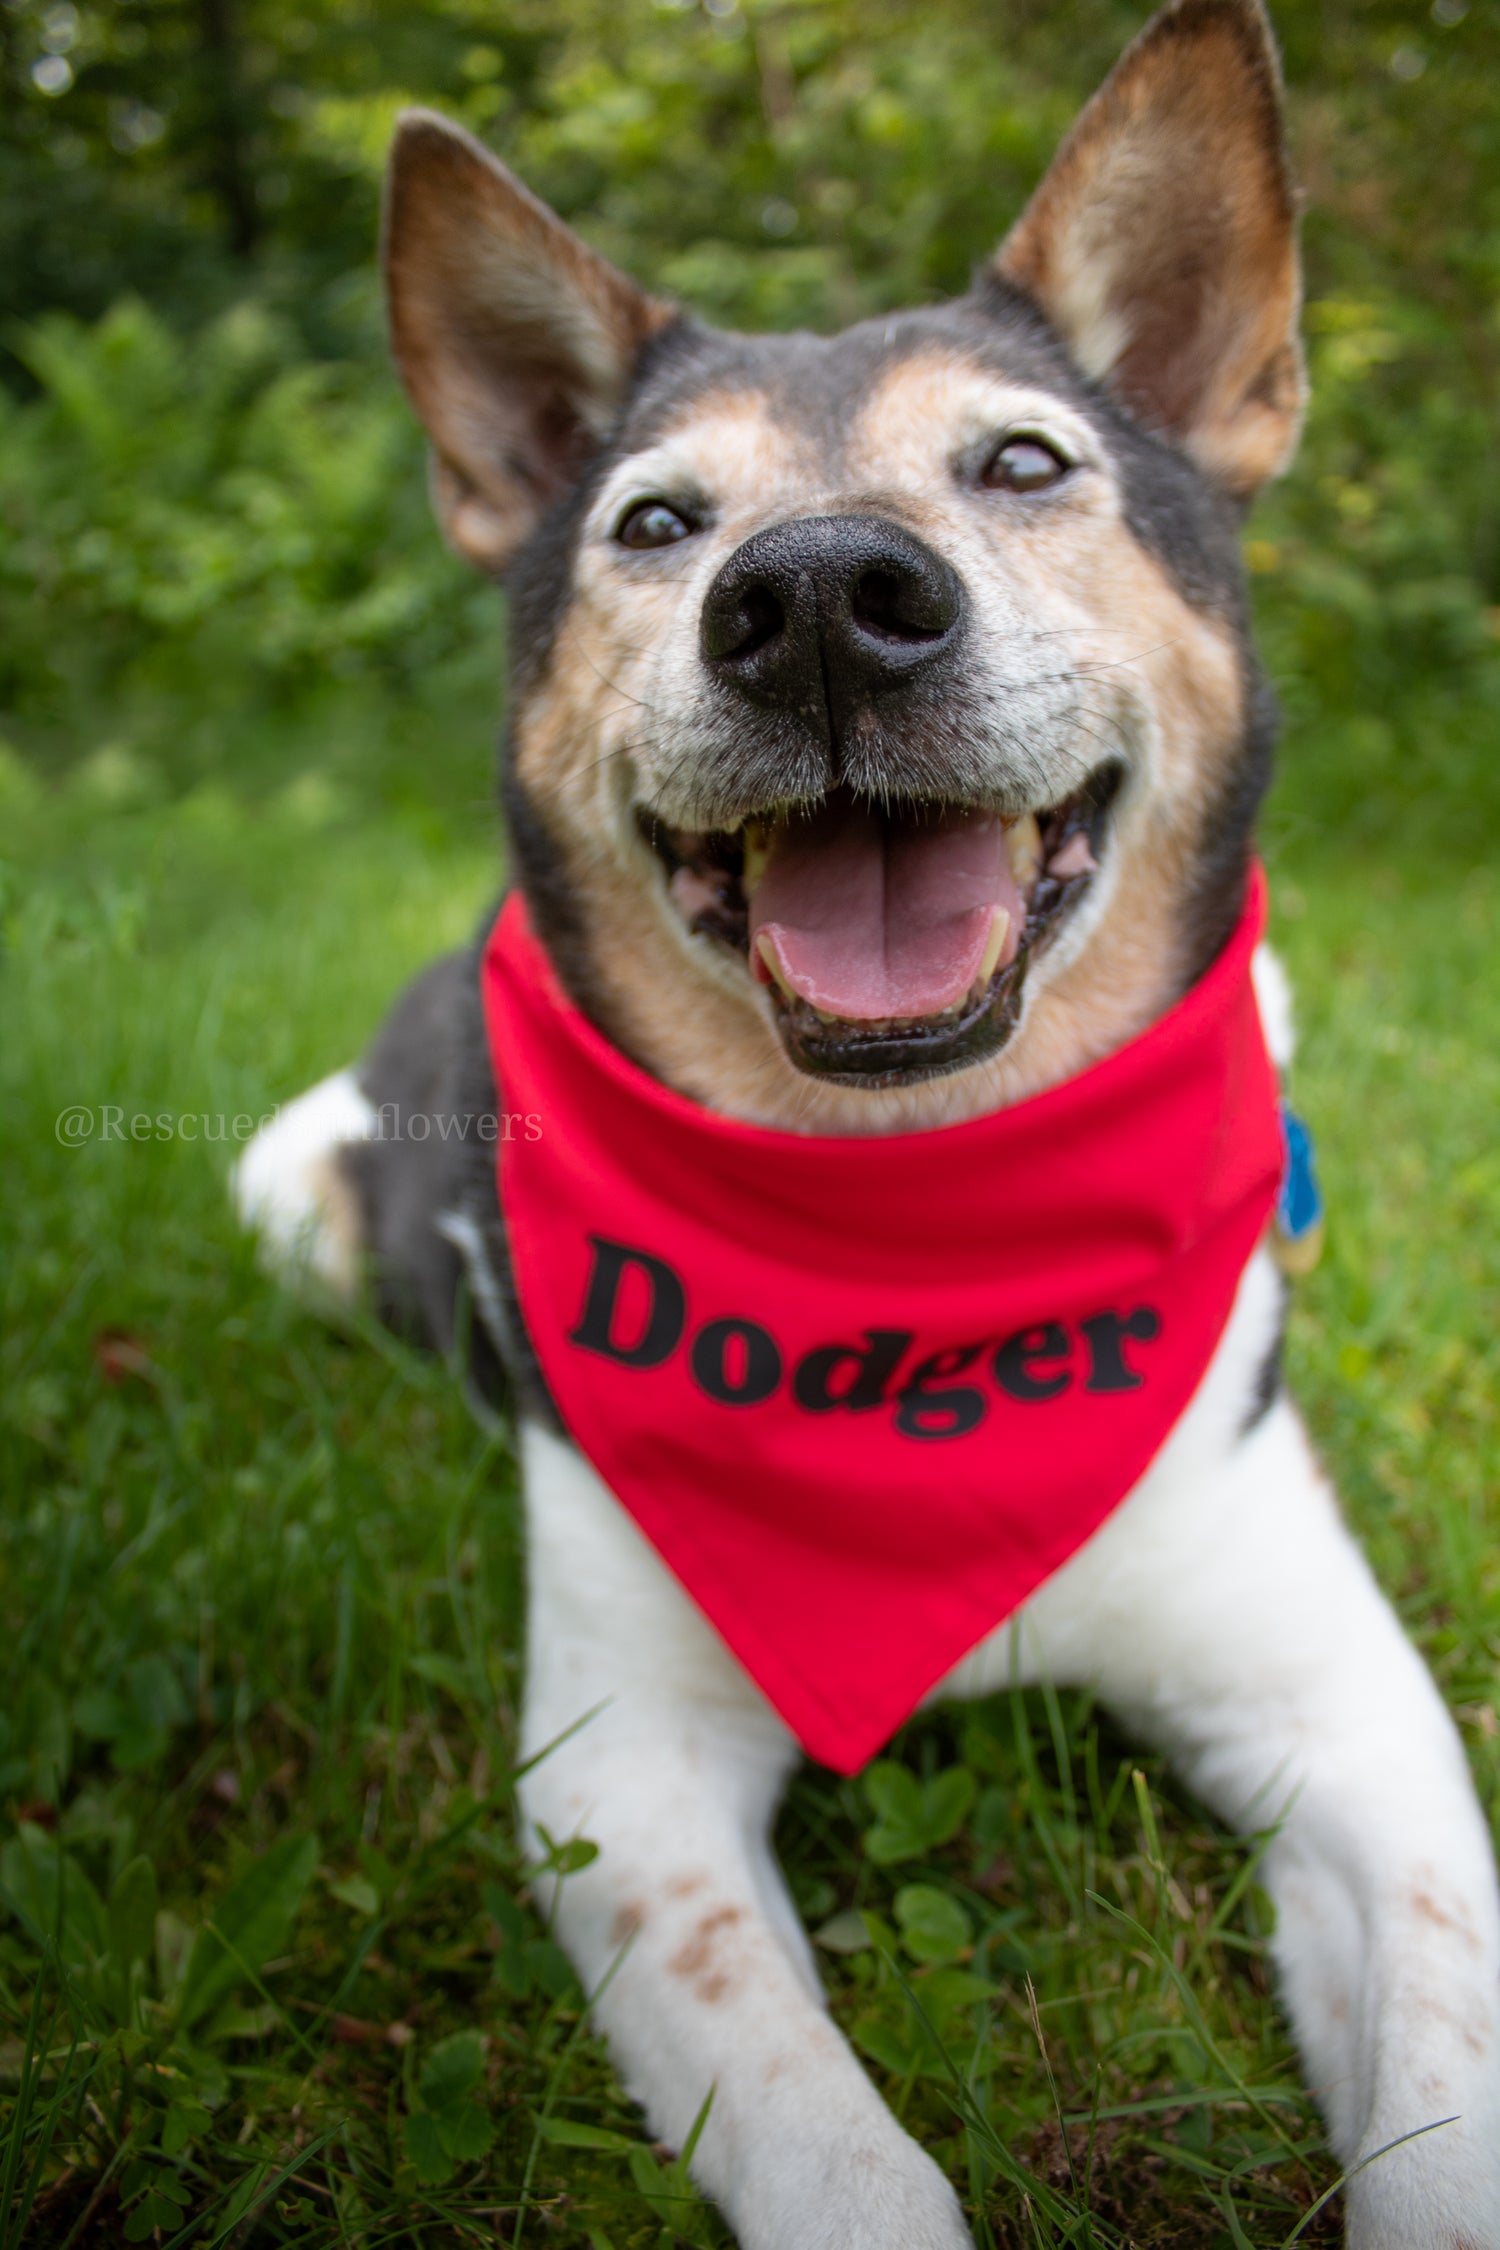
885, 734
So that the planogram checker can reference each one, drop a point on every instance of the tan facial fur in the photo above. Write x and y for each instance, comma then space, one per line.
1080, 637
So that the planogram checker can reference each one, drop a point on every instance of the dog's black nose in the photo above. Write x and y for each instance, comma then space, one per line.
823, 613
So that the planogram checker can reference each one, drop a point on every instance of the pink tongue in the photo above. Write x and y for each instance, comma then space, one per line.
872, 917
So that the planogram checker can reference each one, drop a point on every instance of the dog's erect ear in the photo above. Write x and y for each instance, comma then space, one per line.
514, 340
1162, 244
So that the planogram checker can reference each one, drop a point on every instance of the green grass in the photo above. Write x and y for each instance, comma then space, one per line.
269, 1965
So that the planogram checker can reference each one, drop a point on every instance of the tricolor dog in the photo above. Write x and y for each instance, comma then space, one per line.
861, 1125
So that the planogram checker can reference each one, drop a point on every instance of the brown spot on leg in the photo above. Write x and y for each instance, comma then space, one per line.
1436, 2011
628, 1919
1427, 1909
695, 1961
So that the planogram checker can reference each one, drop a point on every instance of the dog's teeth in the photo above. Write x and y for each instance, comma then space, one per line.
999, 929
757, 852
767, 952
1023, 844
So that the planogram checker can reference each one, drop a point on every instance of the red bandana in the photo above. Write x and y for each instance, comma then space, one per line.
863, 1396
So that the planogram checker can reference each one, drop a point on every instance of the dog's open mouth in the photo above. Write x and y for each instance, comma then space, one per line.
894, 939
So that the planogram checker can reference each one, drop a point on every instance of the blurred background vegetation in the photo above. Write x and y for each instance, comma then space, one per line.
212, 491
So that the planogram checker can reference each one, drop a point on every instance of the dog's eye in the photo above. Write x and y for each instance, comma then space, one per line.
1023, 464
651, 523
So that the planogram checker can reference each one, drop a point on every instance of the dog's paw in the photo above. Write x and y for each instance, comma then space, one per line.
289, 1190
1439, 2192
864, 2194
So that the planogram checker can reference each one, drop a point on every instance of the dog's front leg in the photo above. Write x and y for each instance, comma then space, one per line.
683, 1920
1236, 1621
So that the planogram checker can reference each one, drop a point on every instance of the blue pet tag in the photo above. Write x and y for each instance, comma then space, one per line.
1297, 1230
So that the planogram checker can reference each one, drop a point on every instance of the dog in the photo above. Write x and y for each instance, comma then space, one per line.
884, 747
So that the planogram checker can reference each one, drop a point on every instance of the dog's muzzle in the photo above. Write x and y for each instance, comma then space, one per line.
882, 896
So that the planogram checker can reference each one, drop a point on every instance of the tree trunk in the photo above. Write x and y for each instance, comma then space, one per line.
227, 123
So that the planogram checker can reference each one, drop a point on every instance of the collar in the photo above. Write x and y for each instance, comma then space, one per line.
865, 1395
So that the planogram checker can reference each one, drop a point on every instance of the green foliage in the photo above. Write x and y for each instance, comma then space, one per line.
219, 519
447, 2126
247, 1927
1377, 581
665, 2188
914, 1816
934, 1927
146, 2003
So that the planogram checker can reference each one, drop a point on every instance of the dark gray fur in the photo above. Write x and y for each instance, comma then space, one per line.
431, 1059
1271, 1375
